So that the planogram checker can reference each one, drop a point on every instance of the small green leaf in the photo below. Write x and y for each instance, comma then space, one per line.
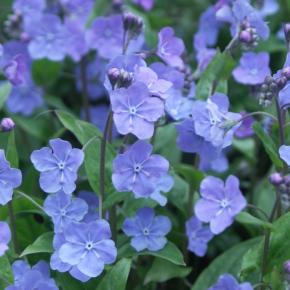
268, 144
228, 262
178, 195
170, 253
6, 276
99, 9
192, 175
279, 251
92, 165
218, 70
42, 244
248, 219
114, 198
82, 130
163, 270
11, 151
116, 278
5, 89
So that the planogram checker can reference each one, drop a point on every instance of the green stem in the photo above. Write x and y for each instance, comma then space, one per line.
266, 246
13, 227
103, 161
84, 84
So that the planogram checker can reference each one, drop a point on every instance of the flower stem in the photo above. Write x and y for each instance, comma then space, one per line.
13, 227
108, 126
84, 84
266, 246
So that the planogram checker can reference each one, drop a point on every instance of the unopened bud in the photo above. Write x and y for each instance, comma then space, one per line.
281, 82
7, 124
246, 36
286, 72
276, 178
287, 32
113, 75
132, 23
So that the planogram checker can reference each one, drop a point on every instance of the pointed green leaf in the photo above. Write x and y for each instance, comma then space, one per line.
42, 244
117, 277
248, 219
5, 89
268, 144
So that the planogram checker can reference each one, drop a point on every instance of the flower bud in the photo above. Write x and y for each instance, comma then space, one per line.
113, 75
132, 23
286, 72
281, 82
276, 178
7, 124
245, 36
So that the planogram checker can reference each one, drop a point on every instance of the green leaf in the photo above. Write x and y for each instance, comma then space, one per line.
178, 195
45, 71
279, 250
192, 175
170, 253
92, 165
228, 262
163, 270
6, 276
114, 198
165, 144
40, 128
83, 131
11, 151
218, 70
268, 144
5, 90
66, 282
117, 277
248, 219
42, 244
99, 9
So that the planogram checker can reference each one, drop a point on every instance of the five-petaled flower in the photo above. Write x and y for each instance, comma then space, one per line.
220, 202
137, 170
10, 178
147, 230
135, 111
58, 166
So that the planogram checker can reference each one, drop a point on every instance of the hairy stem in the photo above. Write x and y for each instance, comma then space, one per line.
84, 84
13, 227
103, 161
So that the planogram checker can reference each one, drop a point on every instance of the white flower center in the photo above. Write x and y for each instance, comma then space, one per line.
224, 203
145, 231
132, 110
89, 246
137, 168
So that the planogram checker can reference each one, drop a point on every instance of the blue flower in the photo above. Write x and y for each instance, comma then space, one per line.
137, 170
284, 152
63, 209
220, 202
214, 122
228, 282
5, 237
48, 37
88, 247
37, 277
10, 178
198, 236
58, 166
147, 230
